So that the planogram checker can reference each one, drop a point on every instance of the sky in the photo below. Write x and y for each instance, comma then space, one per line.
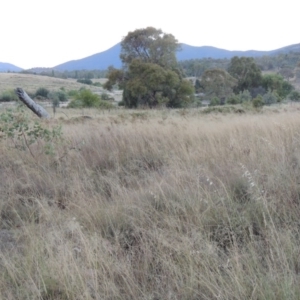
44, 33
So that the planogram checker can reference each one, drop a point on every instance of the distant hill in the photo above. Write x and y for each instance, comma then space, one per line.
110, 57
5, 67
192, 52
99, 61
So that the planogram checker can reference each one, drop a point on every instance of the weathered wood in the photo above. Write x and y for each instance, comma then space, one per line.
37, 109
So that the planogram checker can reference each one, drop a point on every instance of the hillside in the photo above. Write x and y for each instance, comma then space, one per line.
110, 57
5, 67
31, 82
99, 61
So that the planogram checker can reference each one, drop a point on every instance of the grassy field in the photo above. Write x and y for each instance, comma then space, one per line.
31, 83
153, 205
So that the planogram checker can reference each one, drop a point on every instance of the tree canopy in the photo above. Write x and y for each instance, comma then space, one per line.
276, 83
217, 83
150, 74
246, 71
150, 45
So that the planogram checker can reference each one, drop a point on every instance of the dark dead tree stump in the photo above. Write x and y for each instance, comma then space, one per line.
37, 109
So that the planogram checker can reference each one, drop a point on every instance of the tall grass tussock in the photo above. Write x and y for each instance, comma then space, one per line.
154, 205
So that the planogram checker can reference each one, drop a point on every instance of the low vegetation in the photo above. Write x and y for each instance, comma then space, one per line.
168, 204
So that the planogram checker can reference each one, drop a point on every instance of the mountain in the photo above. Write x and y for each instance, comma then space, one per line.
99, 61
110, 57
193, 52
5, 67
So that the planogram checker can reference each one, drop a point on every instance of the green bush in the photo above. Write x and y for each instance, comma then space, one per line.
23, 134
72, 93
245, 96
85, 81
85, 98
233, 99
270, 98
75, 103
215, 101
43, 92
60, 95
294, 96
8, 95
88, 98
258, 101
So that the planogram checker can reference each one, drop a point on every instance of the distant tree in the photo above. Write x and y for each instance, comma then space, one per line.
270, 98
217, 83
246, 71
53, 96
287, 73
150, 84
198, 86
245, 96
255, 91
150, 74
233, 99
150, 45
275, 82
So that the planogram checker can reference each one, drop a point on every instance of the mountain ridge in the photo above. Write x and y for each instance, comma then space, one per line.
110, 57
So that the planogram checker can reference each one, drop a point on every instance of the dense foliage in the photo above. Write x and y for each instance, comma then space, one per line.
150, 74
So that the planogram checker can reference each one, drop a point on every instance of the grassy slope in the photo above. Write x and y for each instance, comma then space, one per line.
155, 205
31, 82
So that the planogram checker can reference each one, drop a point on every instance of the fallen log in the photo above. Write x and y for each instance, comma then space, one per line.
37, 109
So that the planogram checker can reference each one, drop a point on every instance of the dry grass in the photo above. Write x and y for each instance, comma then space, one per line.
31, 83
155, 205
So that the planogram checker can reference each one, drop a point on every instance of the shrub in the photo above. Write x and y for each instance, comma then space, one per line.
214, 101
75, 103
20, 132
43, 92
294, 96
85, 81
233, 99
245, 96
8, 95
88, 98
106, 105
105, 96
269, 98
258, 102
62, 96
72, 93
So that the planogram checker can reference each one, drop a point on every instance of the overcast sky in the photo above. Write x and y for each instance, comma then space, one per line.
44, 33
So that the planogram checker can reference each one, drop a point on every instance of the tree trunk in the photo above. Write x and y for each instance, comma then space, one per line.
37, 109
